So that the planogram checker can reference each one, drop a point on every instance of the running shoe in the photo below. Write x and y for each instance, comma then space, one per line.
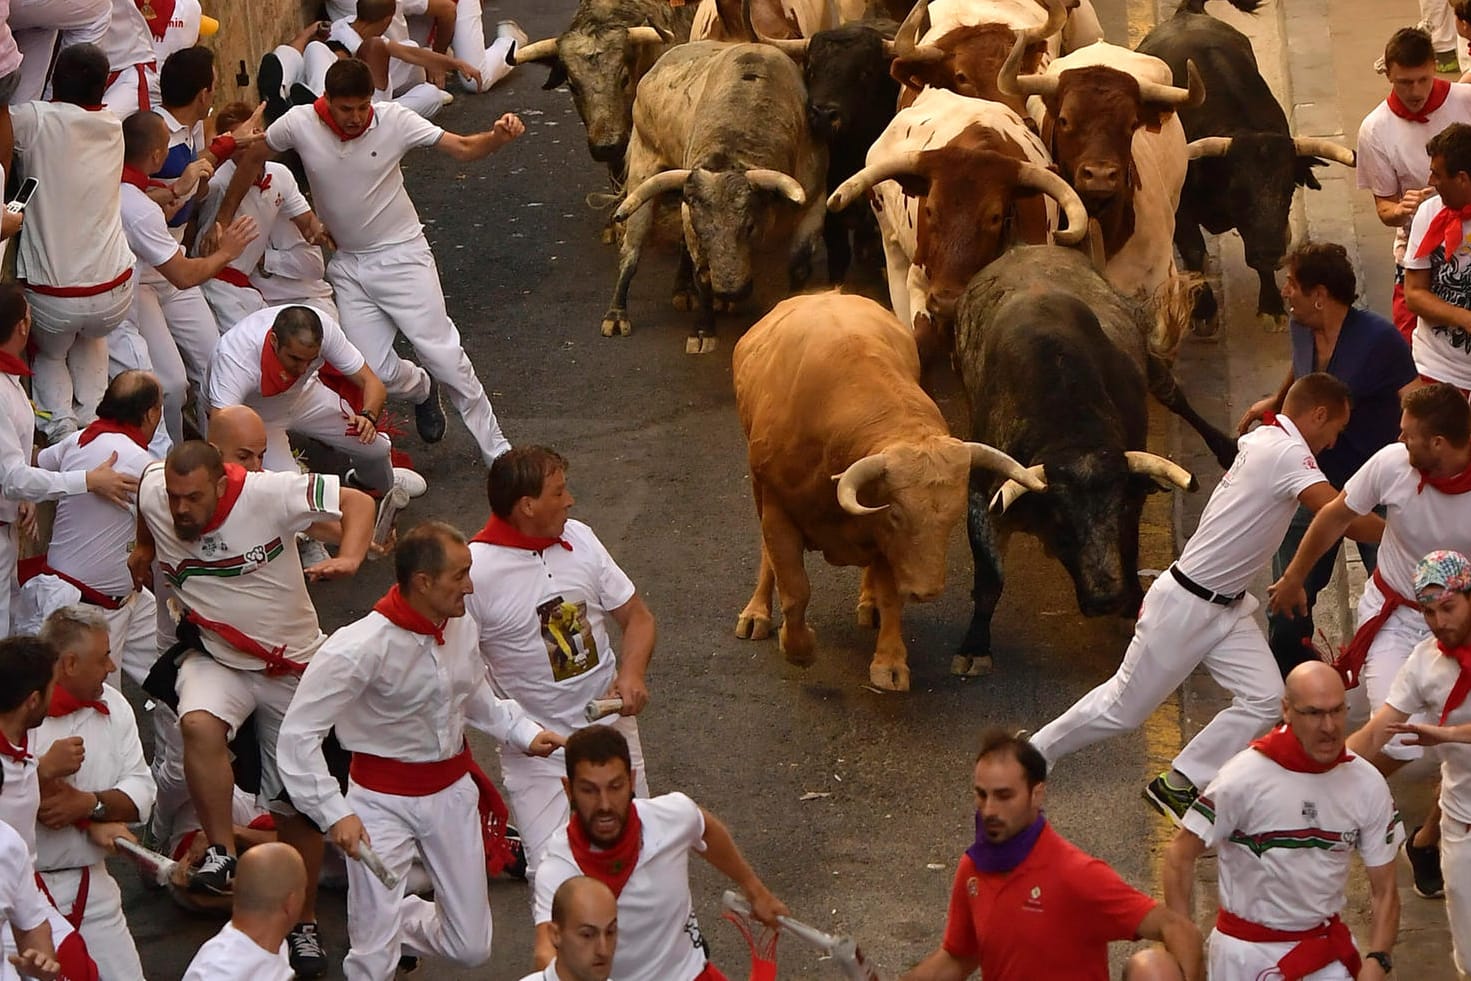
1446, 63
1171, 801
216, 872
429, 415
1425, 866
304, 948
516, 868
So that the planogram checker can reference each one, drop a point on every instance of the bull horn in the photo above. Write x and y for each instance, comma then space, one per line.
1172, 95
1009, 82
1316, 146
861, 182
775, 180
660, 183
986, 457
907, 36
1011, 490
1161, 469
648, 34
793, 48
1209, 146
852, 480
536, 51
1044, 180
1056, 20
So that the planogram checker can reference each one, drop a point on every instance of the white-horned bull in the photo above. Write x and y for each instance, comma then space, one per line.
849, 457
724, 20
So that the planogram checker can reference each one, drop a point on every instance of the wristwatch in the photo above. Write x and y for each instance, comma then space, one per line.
1385, 961
99, 813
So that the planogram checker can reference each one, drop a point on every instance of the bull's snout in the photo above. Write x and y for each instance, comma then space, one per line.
736, 295
1102, 604
824, 119
607, 152
942, 302
1098, 178
925, 595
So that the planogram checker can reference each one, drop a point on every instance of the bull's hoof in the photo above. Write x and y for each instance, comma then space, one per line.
966, 666
889, 677
726, 306
753, 626
616, 322
685, 300
799, 647
609, 235
1206, 327
1272, 323
868, 615
699, 344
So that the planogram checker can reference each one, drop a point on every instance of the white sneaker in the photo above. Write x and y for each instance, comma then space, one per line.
445, 97
410, 480
513, 30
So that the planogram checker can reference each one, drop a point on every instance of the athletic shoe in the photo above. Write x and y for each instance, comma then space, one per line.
270, 86
216, 873
408, 964
300, 95
304, 947
311, 551
516, 868
429, 415
445, 97
409, 481
1171, 801
1446, 63
1425, 865
512, 30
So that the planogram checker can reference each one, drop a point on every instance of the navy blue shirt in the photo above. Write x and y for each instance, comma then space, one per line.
1373, 360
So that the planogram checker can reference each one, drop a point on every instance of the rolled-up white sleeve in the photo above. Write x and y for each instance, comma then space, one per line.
333, 680
502, 718
19, 481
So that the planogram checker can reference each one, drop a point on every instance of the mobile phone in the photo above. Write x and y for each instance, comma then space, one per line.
23, 196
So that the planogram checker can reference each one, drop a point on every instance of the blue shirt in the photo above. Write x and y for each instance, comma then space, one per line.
1373, 360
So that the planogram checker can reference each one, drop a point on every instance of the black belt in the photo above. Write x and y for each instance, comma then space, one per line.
1196, 589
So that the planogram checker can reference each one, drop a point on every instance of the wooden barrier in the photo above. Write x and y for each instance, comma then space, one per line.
248, 29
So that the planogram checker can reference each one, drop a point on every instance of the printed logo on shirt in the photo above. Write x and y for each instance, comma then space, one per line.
1309, 462
972, 887
571, 648
697, 938
235, 565
1033, 902
1450, 280
1309, 811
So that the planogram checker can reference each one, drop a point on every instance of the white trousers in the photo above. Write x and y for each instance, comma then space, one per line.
443, 830
70, 364
308, 67
61, 932
230, 304
103, 927
1233, 959
469, 45
539, 806
320, 413
1455, 866
172, 333
1388, 652
1440, 22
127, 93
396, 290
37, 24
9, 556
1176, 632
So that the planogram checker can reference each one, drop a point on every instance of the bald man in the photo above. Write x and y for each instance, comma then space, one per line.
584, 932
270, 886
1284, 815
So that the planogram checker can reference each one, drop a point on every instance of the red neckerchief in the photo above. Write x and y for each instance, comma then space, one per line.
1281, 747
610, 866
1445, 229
325, 115
498, 532
264, 184
13, 365
99, 426
163, 12
1269, 418
234, 484
1440, 90
136, 177
1459, 484
64, 702
12, 752
274, 378
1462, 687
401, 614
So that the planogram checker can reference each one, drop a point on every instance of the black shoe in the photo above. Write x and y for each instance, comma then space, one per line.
268, 83
516, 868
1171, 801
429, 415
304, 948
1425, 866
300, 95
216, 873
408, 964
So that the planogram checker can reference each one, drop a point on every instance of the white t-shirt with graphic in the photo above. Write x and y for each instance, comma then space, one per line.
1442, 352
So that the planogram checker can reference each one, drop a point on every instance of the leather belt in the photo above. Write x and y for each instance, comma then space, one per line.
1196, 589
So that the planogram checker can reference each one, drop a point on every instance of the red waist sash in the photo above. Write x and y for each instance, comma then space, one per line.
275, 657
235, 277
1350, 660
1315, 950
79, 904
89, 595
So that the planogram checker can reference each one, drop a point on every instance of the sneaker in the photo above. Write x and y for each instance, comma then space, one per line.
216, 873
300, 95
270, 86
409, 481
429, 415
1171, 801
1425, 864
513, 30
1446, 63
516, 869
304, 947
446, 97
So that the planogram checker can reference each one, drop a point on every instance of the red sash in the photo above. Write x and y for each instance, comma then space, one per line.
89, 595
79, 905
1350, 660
235, 277
277, 663
1315, 950
71, 292
144, 102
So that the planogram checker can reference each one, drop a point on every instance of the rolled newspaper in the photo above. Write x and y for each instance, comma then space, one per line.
844, 951
600, 707
375, 865
393, 502
161, 866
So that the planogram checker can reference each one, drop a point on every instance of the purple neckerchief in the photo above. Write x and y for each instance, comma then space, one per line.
1006, 856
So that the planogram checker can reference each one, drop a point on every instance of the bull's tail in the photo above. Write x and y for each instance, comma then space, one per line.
1198, 6
1172, 305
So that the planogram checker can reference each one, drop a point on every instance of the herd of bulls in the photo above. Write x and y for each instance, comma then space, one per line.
1029, 185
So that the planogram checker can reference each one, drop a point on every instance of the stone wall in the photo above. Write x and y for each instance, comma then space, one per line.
248, 29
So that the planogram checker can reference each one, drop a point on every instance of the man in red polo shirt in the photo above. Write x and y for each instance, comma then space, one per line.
1027, 903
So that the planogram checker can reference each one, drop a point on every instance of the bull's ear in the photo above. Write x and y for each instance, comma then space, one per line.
918, 73
557, 77
1154, 117
1305, 176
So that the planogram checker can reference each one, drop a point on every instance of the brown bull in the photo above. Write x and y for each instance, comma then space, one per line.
827, 387
967, 59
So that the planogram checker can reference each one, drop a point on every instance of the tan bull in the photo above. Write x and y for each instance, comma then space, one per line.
851, 458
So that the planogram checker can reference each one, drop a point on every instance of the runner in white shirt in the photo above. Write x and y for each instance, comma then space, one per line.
398, 64
1438, 263
38, 26
1433, 684
545, 592
400, 686
222, 538
73, 256
640, 850
1284, 816
81, 814
1198, 611
449, 24
268, 895
23, 913
176, 25
383, 272
132, 83
584, 932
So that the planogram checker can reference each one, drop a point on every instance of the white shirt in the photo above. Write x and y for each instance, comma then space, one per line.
393, 693
114, 761
550, 974
1250, 509
246, 572
1416, 523
72, 235
1442, 352
20, 798
658, 936
182, 30
230, 956
281, 199
1284, 838
544, 623
292, 269
91, 536
235, 366
19, 481
128, 40
1391, 151
1422, 686
148, 234
20, 901
357, 185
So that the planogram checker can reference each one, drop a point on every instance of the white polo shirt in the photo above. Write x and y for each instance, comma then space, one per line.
20, 798
182, 30
21, 905
19, 481
1421, 688
357, 185
1416, 523
235, 367
1284, 839
128, 40
281, 199
91, 537
230, 955
148, 234
72, 234
659, 938
1442, 352
544, 623
1250, 509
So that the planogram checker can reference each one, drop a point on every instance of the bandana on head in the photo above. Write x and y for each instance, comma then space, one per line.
1443, 568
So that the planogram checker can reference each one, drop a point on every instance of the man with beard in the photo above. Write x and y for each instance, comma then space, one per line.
1027, 903
641, 852
1438, 263
584, 932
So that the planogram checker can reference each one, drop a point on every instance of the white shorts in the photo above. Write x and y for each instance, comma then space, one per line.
1232, 959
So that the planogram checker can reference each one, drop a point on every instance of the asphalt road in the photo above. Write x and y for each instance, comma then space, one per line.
659, 470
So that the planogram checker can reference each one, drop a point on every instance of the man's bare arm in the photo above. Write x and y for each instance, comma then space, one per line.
476, 146
1180, 937
1421, 301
